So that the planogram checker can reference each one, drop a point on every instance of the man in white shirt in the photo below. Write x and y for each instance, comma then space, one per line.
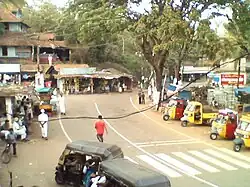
98, 181
19, 129
43, 119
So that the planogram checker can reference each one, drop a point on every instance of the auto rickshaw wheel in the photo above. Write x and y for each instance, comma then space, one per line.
59, 179
213, 136
184, 123
237, 147
166, 117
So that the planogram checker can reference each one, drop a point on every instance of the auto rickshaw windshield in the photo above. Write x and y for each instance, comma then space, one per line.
220, 119
190, 108
245, 126
172, 103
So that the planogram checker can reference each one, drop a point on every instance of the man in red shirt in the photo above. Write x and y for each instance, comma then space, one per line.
100, 126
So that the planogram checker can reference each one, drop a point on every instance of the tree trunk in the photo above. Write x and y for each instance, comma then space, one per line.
177, 70
158, 75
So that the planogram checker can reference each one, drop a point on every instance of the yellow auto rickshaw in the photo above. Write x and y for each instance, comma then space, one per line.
242, 133
224, 125
198, 114
174, 109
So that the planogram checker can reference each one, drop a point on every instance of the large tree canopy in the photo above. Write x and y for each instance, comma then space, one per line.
239, 26
166, 35
42, 18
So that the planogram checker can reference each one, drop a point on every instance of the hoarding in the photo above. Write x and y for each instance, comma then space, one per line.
232, 79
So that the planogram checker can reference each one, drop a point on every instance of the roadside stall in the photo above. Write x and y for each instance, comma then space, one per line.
45, 95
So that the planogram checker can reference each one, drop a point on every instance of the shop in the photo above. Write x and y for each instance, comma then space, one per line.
92, 81
10, 74
28, 73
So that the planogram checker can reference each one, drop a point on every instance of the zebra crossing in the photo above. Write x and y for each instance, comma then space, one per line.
194, 162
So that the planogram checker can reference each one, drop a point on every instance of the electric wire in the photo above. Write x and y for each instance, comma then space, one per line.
150, 107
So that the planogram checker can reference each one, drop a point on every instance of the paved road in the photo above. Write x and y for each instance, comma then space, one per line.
186, 155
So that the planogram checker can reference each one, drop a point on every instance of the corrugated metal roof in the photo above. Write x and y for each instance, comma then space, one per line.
77, 71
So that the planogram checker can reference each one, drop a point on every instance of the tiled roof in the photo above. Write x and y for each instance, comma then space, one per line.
59, 66
31, 68
21, 39
43, 36
7, 16
15, 39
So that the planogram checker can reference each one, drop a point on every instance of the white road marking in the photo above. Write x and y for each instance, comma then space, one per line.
167, 141
196, 162
169, 128
151, 155
212, 160
178, 164
227, 158
162, 144
164, 169
130, 159
62, 127
235, 154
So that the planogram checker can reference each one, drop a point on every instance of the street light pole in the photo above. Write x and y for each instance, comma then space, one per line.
238, 83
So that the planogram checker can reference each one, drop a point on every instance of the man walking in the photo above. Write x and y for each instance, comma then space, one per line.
43, 119
62, 104
100, 126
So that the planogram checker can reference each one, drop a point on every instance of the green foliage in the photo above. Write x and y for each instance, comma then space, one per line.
13, 3
42, 18
239, 26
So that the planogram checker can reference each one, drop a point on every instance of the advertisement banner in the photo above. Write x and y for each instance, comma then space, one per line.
232, 79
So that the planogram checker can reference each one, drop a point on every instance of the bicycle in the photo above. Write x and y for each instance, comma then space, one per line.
6, 154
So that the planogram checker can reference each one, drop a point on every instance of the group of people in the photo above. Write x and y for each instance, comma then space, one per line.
89, 173
22, 116
141, 96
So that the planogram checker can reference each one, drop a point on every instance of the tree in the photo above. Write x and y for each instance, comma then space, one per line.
166, 34
238, 27
42, 18
15, 3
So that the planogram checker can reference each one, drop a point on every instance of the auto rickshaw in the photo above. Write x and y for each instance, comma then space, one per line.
71, 162
198, 114
174, 109
45, 97
242, 133
224, 125
123, 173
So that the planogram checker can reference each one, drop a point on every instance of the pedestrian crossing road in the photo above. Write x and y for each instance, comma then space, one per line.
194, 162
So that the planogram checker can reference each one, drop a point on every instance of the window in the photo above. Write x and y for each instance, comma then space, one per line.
4, 51
243, 125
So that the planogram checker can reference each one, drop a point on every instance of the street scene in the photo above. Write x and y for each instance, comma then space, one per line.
124, 93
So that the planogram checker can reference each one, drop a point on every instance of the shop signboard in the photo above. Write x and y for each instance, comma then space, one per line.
232, 79
77, 71
10, 68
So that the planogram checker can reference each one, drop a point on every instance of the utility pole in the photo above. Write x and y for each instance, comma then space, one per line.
38, 58
238, 83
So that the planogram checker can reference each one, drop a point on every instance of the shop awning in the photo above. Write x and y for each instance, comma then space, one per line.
10, 68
